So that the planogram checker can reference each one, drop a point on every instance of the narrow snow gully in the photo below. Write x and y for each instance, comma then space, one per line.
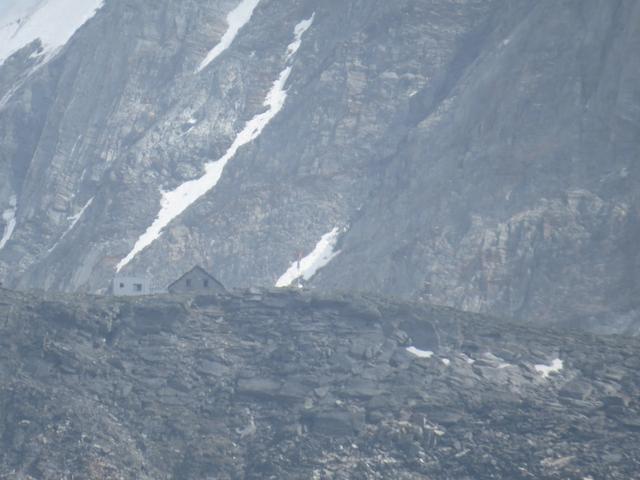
176, 201
237, 18
307, 267
9, 219
74, 220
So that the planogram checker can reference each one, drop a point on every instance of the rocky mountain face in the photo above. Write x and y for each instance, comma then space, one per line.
480, 154
289, 384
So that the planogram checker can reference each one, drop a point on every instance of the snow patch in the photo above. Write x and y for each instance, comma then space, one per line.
52, 21
469, 360
420, 353
446, 361
176, 201
438, 431
546, 370
236, 19
9, 219
308, 266
74, 220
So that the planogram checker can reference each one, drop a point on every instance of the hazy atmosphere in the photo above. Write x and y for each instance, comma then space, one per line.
319, 239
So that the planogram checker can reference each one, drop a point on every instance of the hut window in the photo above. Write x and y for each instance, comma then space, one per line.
188, 282
206, 283
137, 287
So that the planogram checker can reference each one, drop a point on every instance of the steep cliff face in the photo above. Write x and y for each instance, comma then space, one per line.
290, 385
481, 154
522, 176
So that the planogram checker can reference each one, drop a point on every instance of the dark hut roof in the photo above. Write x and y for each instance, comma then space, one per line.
199, 269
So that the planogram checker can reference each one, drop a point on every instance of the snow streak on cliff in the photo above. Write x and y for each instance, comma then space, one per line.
308, 266
9, 219
237, 18
175, 202
74, 220
52, 21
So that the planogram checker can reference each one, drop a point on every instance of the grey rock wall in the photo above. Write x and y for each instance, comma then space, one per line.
480, 154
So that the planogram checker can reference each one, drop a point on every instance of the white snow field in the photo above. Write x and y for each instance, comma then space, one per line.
176, 201
237, 18
308, 266
546, 370
9, 218
52, 21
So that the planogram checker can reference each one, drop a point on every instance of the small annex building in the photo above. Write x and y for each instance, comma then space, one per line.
130, 286
196, 280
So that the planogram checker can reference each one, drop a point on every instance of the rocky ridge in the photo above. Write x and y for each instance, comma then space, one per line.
291, 384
